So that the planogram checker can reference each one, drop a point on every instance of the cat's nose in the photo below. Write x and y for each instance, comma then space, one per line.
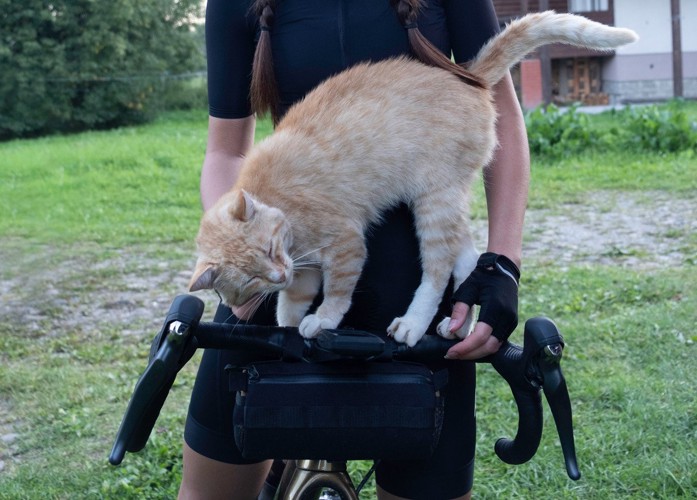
278, 276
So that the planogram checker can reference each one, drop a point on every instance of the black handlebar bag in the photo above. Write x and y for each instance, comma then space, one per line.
337, 410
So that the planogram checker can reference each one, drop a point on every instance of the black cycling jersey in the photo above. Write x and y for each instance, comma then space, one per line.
312, 40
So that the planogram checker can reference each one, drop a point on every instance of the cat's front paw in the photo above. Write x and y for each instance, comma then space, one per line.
406, 330
443, 328
312, 324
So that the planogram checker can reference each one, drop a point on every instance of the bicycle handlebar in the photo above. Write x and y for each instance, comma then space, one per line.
526, 369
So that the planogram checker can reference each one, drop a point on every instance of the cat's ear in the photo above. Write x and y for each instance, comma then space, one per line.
203, 277
243, 206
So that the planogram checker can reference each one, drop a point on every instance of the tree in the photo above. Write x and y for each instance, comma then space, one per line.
69, 65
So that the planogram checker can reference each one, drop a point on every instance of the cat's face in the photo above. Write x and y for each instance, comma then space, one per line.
243, 250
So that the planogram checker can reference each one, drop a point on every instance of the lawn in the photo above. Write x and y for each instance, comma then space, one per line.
97, 238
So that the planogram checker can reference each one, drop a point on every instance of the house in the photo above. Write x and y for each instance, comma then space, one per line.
643, 71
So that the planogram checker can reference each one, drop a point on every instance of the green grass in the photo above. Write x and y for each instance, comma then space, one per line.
96, 237
109, 187
135, 184
569, 179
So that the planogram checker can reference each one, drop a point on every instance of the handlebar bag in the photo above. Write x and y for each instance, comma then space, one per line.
338, 410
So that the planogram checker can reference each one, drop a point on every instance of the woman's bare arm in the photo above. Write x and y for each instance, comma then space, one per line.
229, 140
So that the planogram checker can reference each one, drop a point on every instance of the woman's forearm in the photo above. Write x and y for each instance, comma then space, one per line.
218, 175
228, 143
507, 177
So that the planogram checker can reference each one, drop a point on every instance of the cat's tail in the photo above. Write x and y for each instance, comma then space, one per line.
526, 34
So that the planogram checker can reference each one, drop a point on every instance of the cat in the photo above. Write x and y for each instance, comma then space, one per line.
376, 135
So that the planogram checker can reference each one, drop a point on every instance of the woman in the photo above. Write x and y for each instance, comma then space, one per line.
311, 40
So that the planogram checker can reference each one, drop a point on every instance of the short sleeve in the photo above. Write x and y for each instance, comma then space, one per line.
470, 25
230, 42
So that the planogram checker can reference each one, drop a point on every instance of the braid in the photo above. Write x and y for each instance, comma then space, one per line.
423, 49
264, 91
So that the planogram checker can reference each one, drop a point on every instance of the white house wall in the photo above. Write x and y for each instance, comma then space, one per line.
644, 70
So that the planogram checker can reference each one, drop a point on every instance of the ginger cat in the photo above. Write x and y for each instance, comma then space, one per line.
361, 142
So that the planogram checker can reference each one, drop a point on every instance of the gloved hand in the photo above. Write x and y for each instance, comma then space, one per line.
494, 285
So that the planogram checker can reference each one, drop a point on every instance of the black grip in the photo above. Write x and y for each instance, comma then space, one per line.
527, 370
429, 349
257, 339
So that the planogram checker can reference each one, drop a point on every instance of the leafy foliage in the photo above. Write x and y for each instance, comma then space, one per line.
80, 64
651, 128
555, 132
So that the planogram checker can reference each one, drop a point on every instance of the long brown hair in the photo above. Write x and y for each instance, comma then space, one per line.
264, 90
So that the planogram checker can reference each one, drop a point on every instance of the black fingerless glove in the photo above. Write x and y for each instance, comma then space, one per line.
494, 285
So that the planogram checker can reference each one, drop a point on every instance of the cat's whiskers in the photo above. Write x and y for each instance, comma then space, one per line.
307, 265
300, 263
256, 303
237, 323
297, 258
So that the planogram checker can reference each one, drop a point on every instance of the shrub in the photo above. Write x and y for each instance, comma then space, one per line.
70, 65
554, 132
559, 132
660, 129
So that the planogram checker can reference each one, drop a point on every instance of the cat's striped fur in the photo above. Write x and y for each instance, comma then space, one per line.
360, 143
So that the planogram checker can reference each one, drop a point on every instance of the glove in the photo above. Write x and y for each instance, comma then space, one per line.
494, 285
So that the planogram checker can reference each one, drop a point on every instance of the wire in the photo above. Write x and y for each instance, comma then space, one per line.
117, 78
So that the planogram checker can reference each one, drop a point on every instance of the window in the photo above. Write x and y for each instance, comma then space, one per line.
587, 5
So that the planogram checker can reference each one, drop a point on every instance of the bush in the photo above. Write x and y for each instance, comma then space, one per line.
71, 65
555, 132
559, 132
184, 94
651, 128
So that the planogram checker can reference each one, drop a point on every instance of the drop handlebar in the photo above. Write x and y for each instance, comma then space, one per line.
529, 370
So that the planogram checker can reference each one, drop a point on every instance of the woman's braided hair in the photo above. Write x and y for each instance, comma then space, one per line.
264, 90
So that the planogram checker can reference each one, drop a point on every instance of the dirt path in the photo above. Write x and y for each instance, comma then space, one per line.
40, 286
645, 231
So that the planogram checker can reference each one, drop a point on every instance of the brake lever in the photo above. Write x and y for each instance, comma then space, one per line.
528, 369
554, 387
170, 351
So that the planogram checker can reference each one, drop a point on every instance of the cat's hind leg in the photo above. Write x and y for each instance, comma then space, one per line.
440, 241
466, 262
294, 302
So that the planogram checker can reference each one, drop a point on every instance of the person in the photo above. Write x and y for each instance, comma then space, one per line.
309, 41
